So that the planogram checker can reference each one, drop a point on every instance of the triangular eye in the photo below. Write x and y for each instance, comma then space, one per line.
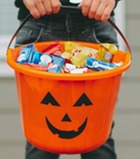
83, 100
49, 99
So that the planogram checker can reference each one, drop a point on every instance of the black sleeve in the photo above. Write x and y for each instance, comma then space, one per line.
116, 2
19, 3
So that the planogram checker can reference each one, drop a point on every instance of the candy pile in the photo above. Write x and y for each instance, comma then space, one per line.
68, 58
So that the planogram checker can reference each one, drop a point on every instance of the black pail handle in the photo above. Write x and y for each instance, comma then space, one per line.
70, 9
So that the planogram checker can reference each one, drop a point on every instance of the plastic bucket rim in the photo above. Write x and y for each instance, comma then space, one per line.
64, 76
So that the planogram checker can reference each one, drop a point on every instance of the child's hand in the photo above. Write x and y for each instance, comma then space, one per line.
97, 9
39, 8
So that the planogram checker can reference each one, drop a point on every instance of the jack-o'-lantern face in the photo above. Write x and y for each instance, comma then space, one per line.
82, 100
63, 117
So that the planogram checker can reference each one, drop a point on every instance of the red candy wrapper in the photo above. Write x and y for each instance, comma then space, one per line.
53, 48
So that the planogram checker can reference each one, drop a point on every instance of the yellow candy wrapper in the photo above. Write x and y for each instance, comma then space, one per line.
79, 60
79, 56
78, 53
66, 55
69, 46
106, 52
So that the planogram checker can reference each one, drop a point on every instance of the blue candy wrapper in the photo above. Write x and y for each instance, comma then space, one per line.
58, 60
25, 54
99, 65
54, 68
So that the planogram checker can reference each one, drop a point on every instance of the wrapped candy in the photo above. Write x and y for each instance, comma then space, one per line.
99, 65
77, 54
70, 57
106, 52
26, 53
53, 48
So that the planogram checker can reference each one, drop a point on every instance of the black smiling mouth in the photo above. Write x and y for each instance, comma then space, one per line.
66, 134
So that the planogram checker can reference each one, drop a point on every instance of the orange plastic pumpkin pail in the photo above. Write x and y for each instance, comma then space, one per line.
67, 113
